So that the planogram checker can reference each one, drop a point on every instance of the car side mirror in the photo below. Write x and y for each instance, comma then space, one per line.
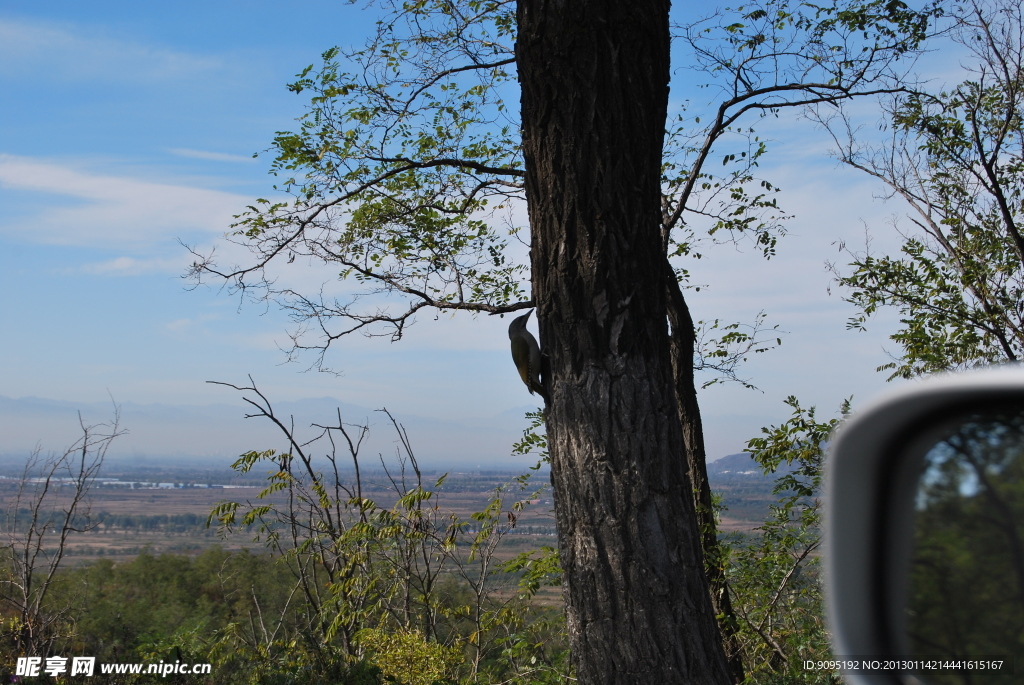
924, 533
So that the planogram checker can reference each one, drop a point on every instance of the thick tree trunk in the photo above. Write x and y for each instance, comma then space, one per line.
594, 77
683, 348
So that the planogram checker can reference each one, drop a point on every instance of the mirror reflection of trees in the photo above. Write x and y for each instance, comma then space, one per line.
967, 576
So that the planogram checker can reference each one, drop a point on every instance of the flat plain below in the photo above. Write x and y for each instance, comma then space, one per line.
134, 513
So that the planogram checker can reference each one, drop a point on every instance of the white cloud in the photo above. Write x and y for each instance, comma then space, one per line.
113, 210
212, 156
130, 266
227, 335
58, 52
186, 325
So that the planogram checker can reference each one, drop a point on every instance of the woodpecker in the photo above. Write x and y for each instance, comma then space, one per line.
526, 355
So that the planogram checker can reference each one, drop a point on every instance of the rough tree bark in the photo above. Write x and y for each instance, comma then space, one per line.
594, 79
682, 348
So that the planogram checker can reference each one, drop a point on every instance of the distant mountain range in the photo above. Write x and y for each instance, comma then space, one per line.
735, 464
742, 465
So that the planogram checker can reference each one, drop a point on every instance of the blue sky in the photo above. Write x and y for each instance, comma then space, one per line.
126, 127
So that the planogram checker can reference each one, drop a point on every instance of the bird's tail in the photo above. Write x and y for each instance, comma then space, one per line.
538, 387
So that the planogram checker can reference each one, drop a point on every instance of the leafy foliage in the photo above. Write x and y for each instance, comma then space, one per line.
402, 172
955, 157
762, 58
405, 588
405, 174
407, 657
721, 348
773, 576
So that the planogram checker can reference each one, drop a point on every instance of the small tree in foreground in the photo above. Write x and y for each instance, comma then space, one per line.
394, 580
50, 503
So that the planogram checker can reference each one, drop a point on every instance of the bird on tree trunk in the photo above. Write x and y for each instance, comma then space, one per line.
526, 355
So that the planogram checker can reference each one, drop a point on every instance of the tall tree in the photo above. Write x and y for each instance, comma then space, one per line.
629, 542
396, 174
